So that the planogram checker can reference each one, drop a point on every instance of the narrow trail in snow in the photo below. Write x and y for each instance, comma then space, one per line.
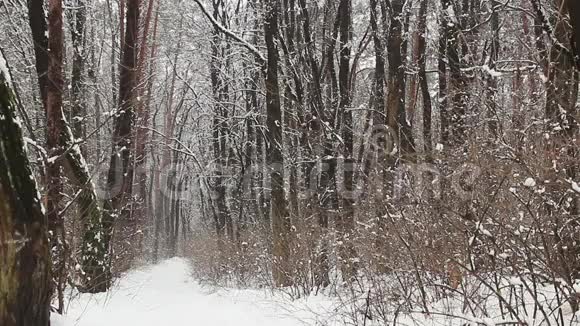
166, 294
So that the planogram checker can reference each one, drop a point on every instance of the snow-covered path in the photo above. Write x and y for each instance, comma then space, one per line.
166, 294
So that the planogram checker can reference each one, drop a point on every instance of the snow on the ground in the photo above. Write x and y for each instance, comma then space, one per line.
166, 294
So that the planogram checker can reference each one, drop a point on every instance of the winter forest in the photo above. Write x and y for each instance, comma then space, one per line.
289, 162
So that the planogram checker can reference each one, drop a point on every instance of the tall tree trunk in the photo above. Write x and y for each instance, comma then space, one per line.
453, 99
312, 131
399, 126
561, 149
456, 114
145, 80
425, 96
326, 193
420, 48
55, 125
94, 252
379, 80
25, 268
120, 175
396, 113
218, 71
443, 94
294, 101
379, 115
280, 217
162, 200
260, 132
345, 221
493, 122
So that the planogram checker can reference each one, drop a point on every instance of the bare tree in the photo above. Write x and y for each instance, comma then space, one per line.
219, 67
74, 162
120, 175
55, 125
345, 221
280, 217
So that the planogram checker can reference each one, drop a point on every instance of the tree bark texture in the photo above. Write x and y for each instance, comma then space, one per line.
25, 267
281, 224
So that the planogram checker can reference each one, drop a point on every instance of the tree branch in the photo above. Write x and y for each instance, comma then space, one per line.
231, 34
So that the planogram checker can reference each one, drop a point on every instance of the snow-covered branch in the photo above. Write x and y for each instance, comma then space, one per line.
231, 34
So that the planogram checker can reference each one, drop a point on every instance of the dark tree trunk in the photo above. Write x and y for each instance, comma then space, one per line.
25, 268
422, 50
145, 79
38, 27
91, 214
280, 216
327, 199
311, 133
443, 95
561, 149
55, 125
379, 115
396, 113
294, 101
345, 220
493, 117
218, 73
379, 80
574, 11
456, 130
120, 175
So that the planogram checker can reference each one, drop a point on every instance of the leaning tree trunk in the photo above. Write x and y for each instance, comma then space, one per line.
94, 251
25, 269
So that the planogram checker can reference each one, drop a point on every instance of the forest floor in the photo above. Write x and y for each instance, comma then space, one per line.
166, 294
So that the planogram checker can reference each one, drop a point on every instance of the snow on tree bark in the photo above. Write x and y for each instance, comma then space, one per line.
280, 217
561, 151
78, 112
94, 251
55, 125
345, 221
118, 209
25, 268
